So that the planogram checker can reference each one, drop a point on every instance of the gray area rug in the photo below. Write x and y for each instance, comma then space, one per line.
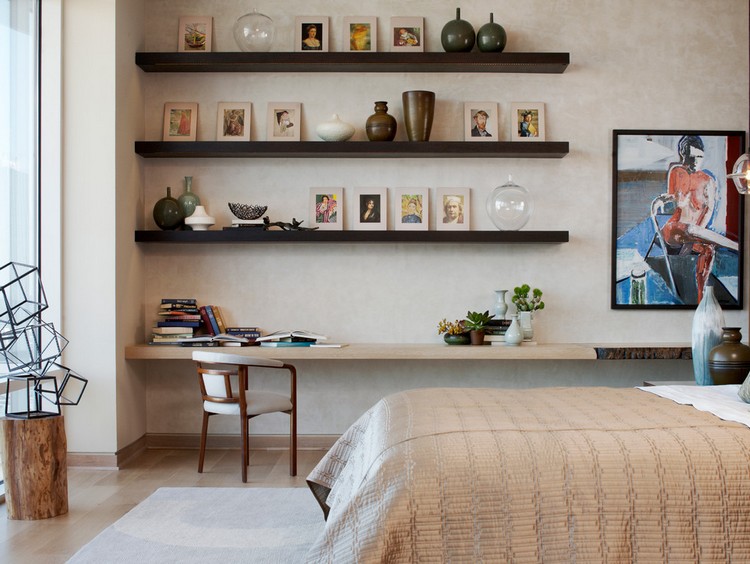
186, 525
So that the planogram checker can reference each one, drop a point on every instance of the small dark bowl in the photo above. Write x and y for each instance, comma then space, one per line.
247, 211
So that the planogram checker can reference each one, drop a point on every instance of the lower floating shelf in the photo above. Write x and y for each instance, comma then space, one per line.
255, 235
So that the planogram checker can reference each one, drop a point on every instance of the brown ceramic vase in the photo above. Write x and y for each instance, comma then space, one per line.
381, 126
729, 362
419, 109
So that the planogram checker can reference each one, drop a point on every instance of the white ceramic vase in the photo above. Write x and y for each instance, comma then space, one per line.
525, 318
707, 329
514, 334
501, 307
200, 220
334, 130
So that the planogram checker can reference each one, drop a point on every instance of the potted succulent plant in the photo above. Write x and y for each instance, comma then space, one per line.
454, 332
476, 323
526, 305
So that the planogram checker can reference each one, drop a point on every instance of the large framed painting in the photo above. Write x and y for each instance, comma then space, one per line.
678, 221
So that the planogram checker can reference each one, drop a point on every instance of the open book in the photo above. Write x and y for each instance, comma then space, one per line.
221, 337
298, 335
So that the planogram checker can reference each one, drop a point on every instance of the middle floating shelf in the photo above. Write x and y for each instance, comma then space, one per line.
352, 149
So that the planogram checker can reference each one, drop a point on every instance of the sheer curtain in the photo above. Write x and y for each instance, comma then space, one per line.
19, 133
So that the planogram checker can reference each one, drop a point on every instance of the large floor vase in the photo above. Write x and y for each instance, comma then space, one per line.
707, 330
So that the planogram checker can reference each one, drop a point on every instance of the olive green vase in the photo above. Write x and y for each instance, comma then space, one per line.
458, 35
168, 212
491, 37
188, 199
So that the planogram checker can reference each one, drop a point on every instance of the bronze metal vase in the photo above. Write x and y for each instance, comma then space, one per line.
381, 126
729, 362
419, 109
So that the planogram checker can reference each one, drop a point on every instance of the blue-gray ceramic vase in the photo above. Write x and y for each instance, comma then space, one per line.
707, 330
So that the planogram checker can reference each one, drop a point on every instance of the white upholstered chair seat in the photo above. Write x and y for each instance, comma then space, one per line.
258, 402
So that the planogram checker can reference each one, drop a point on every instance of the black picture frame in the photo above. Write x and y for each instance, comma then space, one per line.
677, 219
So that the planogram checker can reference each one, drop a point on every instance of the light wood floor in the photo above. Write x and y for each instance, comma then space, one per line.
97, 498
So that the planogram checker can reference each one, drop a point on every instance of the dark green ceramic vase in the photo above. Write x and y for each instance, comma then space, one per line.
458, 35
381, 126
491, 37
460, 339
729, 362
168, 212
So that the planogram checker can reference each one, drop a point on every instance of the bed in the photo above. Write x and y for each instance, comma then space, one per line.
538, 475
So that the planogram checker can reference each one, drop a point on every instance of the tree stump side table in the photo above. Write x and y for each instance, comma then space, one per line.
34, 453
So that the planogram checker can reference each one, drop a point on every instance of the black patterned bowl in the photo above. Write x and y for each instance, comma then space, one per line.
247, 211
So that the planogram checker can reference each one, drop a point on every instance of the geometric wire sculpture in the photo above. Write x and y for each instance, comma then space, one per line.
29, 348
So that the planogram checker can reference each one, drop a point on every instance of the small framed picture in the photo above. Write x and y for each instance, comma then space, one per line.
454, 209
412, 209
311, 33
233, 121
327, 208
527, 121
284, 121
360, 34
406, 34
195, 34
371, 209
180, 121
480, 121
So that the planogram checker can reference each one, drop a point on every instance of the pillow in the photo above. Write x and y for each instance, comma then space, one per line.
744, 391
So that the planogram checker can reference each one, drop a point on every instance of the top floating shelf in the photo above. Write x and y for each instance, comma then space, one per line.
548, 63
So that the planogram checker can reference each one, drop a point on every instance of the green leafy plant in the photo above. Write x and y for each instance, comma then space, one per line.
451, 327
524, 302
476, 321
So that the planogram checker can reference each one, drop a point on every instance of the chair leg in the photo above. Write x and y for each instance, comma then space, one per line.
245, 454
293, 443
204, 432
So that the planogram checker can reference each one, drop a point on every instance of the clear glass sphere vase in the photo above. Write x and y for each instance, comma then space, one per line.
253, 32
510, 206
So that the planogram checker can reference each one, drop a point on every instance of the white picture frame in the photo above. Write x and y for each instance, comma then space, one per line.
377, 220
411, 209
449, 218
233, 121
195, 34
283, 122
311, 34
481, 122
360, 34
180, 121
518, 116
326, 209
406, 34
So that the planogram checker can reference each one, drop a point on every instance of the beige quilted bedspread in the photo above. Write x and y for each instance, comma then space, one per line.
541, 475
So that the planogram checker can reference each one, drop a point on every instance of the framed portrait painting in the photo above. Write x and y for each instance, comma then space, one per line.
480, 121
412, 209
283, 121
407, 34
195, 34
454, 209
233, 121
360, 34
677, 219
180, 121
370, 209
527, 121
327, 208
311, 34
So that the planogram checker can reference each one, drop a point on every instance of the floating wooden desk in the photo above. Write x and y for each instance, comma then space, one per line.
429, 351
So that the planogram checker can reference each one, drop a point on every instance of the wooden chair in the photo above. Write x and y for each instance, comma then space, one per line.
215, 370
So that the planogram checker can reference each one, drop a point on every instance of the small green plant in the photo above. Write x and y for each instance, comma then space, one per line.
476, 321
524, 302
451, 327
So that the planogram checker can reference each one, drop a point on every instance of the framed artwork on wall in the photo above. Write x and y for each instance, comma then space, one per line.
233, 121
527, 121
195, 34
283, 121
327, 208
480, 121
411, 209
406, 34
180, 121
311, 33
360, 34
370, 209
454, 209
677, 219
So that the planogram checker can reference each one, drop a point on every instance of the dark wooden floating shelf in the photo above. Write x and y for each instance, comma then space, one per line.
256, 235
548, 63
351, 149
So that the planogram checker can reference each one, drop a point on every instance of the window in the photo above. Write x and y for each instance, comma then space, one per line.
19, 133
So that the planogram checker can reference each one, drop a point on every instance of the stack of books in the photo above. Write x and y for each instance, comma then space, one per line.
231, 337
494, 333
249, 333
212, 319
299, 338
177, 320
